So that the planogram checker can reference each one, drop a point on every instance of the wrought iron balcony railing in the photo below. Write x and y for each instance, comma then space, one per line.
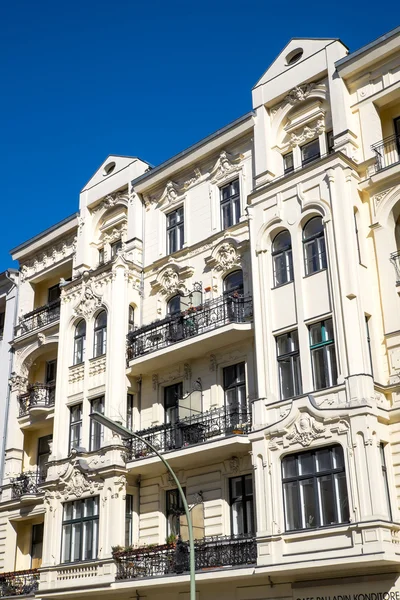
39, 318
19, 583
190, 431
395, 260
387, 152
214, 552
192, 322
39, 395
27, 483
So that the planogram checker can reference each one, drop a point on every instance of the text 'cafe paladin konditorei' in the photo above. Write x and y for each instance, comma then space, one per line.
237, 307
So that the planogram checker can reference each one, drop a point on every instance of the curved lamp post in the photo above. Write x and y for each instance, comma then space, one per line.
126, 433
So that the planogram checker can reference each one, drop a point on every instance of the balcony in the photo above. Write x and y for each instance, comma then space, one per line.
19, 583
173, 559
27, 484
38, 398
190, 431
216, 322
387, 152
40, 317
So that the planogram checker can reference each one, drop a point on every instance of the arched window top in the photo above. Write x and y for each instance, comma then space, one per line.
282, 241
313, 228
80, 328
174, 305
101, 319
234, 282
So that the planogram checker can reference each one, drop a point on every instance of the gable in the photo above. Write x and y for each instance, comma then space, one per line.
110, 167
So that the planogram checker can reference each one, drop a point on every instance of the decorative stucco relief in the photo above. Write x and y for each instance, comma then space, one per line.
308, 133
48, 257
225, 165
74, 483
299, 93
112, 200
170, 279
226, 255
18, 383
306, 429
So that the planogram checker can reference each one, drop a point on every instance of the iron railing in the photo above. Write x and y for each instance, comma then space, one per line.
387, 152
27, 483
19, 583
395, 260
189, 431
194, 321
214, 552
39, 318
38, 395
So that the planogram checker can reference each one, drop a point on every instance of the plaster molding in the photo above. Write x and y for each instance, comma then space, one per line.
299, 93
225, 165
89, 301
48, 257
170, 279
226, 255
74, 483
18, 383
308, 133
305, 429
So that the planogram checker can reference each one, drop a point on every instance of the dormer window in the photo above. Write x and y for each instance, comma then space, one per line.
310, 152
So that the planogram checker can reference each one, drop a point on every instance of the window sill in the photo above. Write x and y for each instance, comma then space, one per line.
312, 531
315, 272
76, 365
97, 357
280, 285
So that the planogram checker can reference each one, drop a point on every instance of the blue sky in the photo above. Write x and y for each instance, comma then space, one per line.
81, 80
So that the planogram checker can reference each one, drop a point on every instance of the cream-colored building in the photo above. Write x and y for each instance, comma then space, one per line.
238, 307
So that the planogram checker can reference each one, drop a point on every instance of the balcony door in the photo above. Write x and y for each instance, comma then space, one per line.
53, 293
396, 125
37, 546
172, 395
51, 374
235, 395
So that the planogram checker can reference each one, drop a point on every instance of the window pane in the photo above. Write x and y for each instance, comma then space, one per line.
313, 227
328, 335
237, 518
289, 464
290, 495
327, 500
280, 269
323, 459
66, 536
281, 242
331, 364
337, 456
285, 377
310, 151
307, 502
76, 541
318, 364
311, 258
341, 497
306, 463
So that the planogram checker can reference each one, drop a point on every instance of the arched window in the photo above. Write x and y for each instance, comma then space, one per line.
131, 318
100, 334
314, 246
282, 258
79, 342
233, 284
174, 305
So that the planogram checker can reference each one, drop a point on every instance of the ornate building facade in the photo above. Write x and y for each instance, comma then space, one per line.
237, 307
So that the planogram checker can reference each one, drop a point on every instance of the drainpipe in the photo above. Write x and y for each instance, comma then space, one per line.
10, 366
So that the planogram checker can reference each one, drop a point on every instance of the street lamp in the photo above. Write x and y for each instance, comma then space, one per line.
126, 433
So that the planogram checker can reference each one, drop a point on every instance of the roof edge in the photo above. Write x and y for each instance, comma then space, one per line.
357, 53
42, 234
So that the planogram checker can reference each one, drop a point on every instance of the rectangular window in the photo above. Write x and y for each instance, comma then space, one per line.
288, 165
230, 204
369, 344
330, 142
176, 519
2, 320
323, 355
37, 546
96, 430
128, 519
234, 378
172, 395
129, 411
75, 426
385, 481
115, 247
287, 346
175, 231
53, 293
80, 530
315, 489
131, 318
310, 152
241, 505
101, 256
43, 455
